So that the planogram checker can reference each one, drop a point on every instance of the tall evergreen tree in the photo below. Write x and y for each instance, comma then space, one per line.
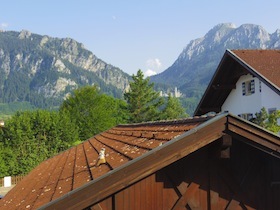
173, 109
143, 101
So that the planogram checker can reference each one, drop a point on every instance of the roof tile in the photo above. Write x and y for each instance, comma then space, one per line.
75, 167
266, 62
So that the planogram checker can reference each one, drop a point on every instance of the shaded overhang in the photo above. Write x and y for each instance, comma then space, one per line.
181, 146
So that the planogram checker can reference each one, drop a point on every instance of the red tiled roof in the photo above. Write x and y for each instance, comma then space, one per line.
265, 62
75, 167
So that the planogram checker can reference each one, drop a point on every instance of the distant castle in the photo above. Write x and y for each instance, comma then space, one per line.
174, 93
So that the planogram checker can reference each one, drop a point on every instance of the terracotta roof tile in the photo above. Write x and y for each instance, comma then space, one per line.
266, 62
77, 166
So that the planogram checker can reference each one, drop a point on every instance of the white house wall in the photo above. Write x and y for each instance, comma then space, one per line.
270, 99
237, 103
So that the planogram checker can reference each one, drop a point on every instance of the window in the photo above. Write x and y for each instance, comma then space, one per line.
246, 116
248, 87
260, 86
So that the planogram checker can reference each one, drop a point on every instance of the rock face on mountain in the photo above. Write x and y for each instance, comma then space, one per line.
194, 68
36, 68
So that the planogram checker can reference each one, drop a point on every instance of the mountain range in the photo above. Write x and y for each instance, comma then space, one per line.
43, 70
194, 67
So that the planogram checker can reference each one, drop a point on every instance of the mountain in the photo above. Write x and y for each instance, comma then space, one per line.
194, 67
42, 70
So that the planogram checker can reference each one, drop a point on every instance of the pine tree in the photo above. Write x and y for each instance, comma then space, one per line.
173, 109
143, 101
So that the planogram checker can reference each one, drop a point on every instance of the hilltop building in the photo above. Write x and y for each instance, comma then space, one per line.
174, 93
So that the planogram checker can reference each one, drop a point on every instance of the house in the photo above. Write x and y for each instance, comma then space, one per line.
244, 82
216, 161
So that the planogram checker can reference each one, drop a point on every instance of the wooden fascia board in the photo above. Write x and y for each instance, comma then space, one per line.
255, 135
139, 168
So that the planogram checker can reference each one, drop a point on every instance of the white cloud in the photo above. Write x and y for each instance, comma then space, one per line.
149, 73
154, 63
153, 66
4, 25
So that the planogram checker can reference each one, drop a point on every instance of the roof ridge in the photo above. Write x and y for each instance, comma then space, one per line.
173, 121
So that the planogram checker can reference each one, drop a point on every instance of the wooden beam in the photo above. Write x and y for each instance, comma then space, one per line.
255, 136
139, 168
225, 146
182, 202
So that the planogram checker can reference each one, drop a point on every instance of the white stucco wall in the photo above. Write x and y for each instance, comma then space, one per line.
237, 104
270, 99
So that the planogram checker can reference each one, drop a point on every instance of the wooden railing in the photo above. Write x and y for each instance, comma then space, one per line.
15, 180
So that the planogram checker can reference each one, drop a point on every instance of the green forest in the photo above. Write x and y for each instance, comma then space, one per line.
33, 135
30, 136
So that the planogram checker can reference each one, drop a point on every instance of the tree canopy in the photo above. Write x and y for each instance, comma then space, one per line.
143, 102
30, 137
268, 121
173, 109
93, 112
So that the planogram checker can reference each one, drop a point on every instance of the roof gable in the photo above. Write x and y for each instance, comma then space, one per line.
263, 64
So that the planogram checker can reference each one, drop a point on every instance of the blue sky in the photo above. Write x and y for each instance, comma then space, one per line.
132, 35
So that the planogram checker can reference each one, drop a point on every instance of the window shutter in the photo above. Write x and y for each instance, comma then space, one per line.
243, 89
252, 86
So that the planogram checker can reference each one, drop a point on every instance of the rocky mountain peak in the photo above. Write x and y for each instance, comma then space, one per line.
275, 37
196, 64
217, 33
24, 34
227, 36
41, 67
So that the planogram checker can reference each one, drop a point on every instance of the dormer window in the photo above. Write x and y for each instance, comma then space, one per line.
248, 87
